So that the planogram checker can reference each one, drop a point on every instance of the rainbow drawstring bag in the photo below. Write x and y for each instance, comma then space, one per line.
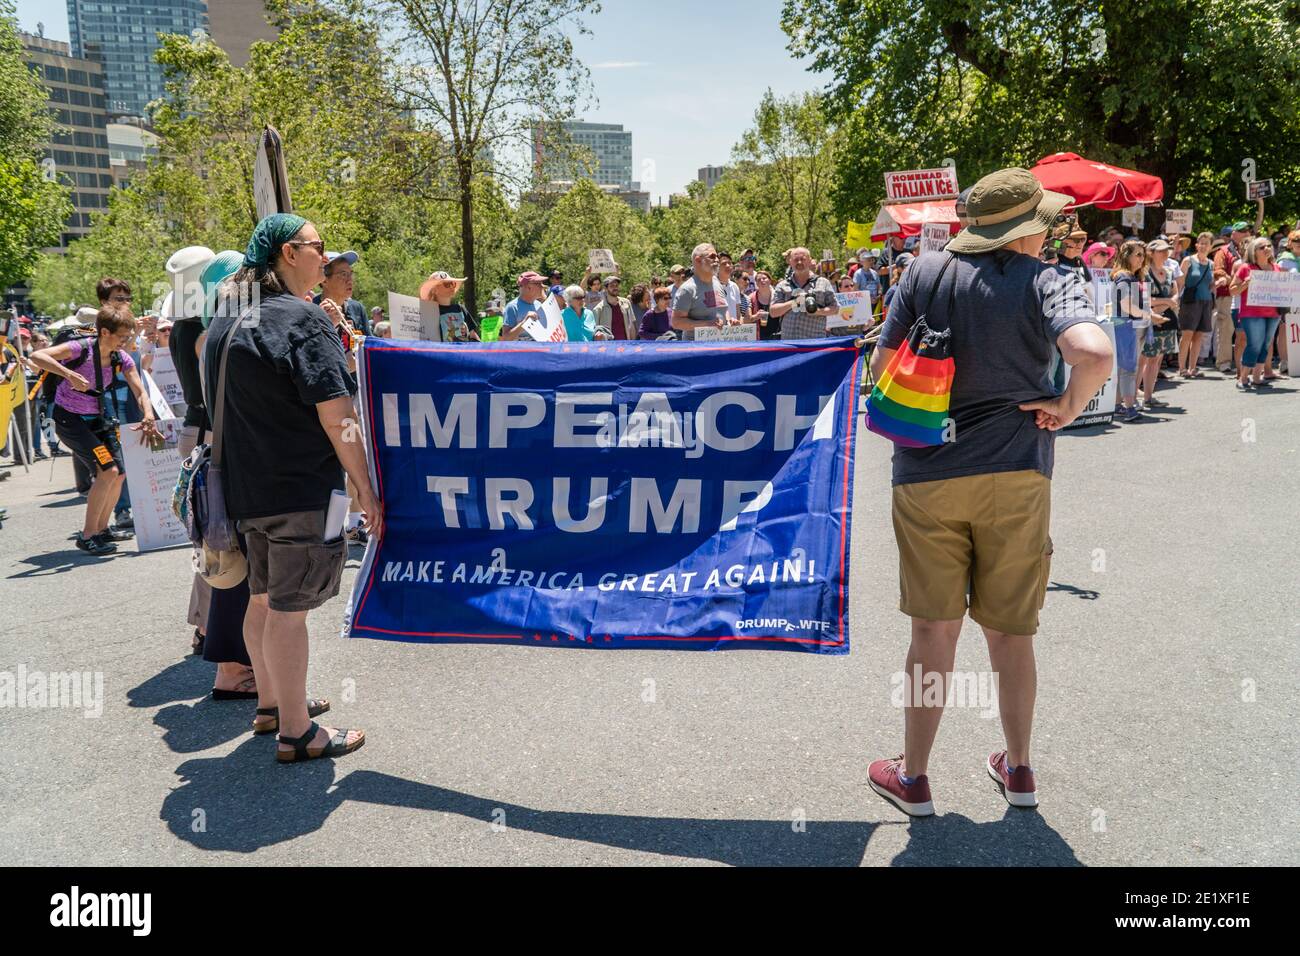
909, 402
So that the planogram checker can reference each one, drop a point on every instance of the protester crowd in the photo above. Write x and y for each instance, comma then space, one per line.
272, 395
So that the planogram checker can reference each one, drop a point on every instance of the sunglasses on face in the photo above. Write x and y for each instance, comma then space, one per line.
317, 244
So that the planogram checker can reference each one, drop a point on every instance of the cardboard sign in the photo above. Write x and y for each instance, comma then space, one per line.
601, 260
1280, 290
535, 330
151, 477
745, 332
270, 176
855, 310
553, 315
1101, 408
934, 236
1178, 221
1135, 217
412, 318
1259, 189
915, 185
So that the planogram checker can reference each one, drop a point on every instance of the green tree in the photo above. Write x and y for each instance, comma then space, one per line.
33, 204
586, 218
1169, 87
485, 75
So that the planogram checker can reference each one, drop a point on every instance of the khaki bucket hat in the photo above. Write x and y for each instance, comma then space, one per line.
1005, 206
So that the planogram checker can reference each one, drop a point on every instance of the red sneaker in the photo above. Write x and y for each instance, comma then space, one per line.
913, 800
1017, 787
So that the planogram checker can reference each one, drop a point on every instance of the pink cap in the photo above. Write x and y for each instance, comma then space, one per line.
531, 277
1098, 247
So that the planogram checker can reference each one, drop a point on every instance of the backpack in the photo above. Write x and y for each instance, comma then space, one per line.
50, 383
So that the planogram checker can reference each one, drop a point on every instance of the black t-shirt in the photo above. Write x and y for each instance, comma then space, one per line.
185, 333
276, 458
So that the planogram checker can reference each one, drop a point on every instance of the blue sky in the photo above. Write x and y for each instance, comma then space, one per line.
686, 89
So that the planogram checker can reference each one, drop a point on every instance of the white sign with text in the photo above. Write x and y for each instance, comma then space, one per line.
151, 478
413, 318
1280, 290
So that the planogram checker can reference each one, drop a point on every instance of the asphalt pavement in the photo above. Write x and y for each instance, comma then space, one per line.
1165, 733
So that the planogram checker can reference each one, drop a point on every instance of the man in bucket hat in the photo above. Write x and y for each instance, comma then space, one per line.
971, 514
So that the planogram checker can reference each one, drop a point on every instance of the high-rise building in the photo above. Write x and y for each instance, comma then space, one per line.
609, 143
710, 176
123, 35
131, 144
236, 24
78, 154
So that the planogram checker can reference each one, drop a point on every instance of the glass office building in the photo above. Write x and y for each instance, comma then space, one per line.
123, 35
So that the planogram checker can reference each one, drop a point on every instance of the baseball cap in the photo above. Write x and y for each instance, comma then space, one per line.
530, 277
609, 279
1158, 245
349, 257
904, 260
557, 290
1240, 226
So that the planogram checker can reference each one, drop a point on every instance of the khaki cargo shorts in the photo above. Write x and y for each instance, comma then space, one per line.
289, 561
981, 535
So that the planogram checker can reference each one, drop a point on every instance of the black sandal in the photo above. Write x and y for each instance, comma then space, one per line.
219, 694
337, 746
314, 709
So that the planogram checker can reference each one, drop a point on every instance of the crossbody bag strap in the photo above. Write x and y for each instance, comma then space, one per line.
935, 288
219, 412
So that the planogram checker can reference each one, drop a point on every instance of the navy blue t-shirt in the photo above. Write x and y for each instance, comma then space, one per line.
1008, 311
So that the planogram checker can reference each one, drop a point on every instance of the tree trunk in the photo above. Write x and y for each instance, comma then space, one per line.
466, 184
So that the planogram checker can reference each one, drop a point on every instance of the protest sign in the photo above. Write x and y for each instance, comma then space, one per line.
934, 236
169, 382
745, 332
412, 318
857, 235
1260, 189
855, 310
1133, 217
553, 315
489, 328
622, 495
270, 176
157, 400
600, 260
1102, 291
912, 185
1292, 324
151, 478
1178, 221
1101, 407
1279, 290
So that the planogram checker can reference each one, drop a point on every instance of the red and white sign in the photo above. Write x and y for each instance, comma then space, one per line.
912, 185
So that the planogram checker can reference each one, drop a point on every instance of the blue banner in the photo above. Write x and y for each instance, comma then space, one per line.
642, 495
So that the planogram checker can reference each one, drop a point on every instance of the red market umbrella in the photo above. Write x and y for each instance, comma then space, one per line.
908, 217
1091, 183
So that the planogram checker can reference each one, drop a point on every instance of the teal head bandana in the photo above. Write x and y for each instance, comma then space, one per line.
271, 233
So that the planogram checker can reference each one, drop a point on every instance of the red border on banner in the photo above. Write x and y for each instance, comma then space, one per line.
759, 638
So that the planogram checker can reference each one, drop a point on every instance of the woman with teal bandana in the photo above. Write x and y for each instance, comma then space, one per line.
286, 408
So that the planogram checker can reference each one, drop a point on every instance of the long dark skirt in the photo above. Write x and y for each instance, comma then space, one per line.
225, 639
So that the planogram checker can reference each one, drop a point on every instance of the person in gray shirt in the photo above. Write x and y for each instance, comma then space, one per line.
700, 301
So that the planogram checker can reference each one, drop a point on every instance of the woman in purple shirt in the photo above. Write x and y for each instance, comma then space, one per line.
657, 321
82, 422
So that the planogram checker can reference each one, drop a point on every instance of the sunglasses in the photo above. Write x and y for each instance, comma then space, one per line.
317, 244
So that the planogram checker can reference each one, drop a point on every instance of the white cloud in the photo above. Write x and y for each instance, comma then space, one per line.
618, 65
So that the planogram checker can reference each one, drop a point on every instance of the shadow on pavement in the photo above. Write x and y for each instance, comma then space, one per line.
1020, 838
188, 678
247, 804
1084, 593
190, 728
56, 562
78, 502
